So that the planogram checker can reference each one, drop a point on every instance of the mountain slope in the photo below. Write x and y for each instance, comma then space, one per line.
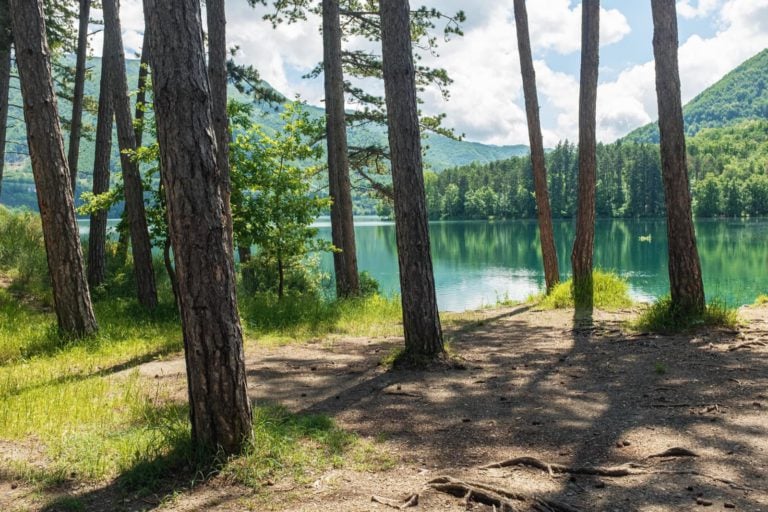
18, 186
740, 95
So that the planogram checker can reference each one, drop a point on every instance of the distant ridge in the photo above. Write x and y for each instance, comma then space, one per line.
740, 95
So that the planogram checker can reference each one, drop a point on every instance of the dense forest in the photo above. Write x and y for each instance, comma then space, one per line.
728, 169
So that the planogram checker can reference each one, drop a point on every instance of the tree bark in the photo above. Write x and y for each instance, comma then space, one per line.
170, 270
141, 96
584, 243
79, 93
71, 297
543, 210
220, 411
342, 220
97, 237
421, 321
217, 75
141, 245
6, 41
686, 285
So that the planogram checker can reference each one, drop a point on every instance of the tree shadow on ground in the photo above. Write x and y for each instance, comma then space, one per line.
571, 395
537, 385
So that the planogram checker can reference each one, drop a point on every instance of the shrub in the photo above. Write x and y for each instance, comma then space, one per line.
22, 251
610, 292
368, 284
665, 317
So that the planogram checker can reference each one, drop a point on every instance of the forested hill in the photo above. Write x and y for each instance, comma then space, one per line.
18, 187
740, 95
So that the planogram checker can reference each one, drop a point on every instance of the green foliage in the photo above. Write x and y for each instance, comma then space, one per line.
729, 170
272, 205
610, 292
369, 286
665, 317
22, 252
629, 184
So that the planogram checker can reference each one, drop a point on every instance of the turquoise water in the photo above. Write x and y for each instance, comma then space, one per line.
478, 263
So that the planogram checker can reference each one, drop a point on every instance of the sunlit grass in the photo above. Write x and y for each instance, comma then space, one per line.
761, 300
611, 292
273, 321
83, 411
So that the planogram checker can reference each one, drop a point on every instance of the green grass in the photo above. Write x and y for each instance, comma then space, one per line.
64, 398
300, 447
82, 410
300, 318
664, 317
610, 293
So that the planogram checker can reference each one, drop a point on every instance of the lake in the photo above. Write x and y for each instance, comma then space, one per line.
478, 262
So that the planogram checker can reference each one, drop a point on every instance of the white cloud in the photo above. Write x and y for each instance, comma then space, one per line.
702, 8
486, 98
556, 25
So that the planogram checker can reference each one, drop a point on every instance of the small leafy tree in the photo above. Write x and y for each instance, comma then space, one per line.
272, 202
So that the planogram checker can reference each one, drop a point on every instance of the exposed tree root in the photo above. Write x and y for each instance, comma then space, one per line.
674, 452
753, 343
552, 469
411, 501
630, 469
501, 499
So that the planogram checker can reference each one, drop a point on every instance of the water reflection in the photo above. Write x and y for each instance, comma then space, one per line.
477, 263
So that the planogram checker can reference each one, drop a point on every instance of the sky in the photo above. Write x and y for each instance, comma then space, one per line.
486, 99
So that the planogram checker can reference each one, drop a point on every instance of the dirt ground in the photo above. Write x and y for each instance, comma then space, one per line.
582, 400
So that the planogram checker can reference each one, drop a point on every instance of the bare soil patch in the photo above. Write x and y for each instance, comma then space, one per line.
570, 399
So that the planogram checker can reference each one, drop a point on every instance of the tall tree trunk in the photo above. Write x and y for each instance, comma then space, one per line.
141, 245
97, 237
246, 272
342, 221
71, 297
141, 96
584, 243
219, 408
685, 279
217, 75
543, 210
77, 98
421, 322
6, 40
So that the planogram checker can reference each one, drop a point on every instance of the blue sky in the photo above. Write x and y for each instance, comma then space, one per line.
486, 101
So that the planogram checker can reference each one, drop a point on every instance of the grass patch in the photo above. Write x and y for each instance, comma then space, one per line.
66, 396
761, 300
611, 292
300, 447
85, 414
664, 317
296, 318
